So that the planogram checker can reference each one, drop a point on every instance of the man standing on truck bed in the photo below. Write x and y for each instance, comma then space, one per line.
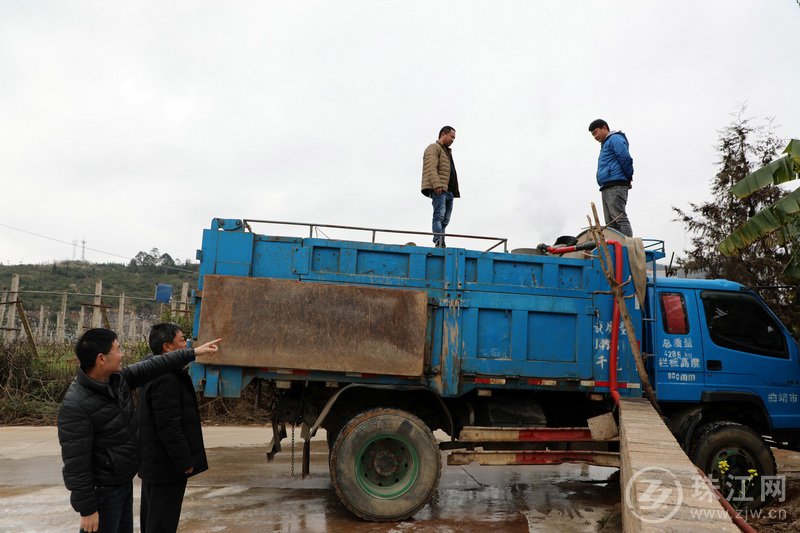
170, 437
440, 182
97, 428
614, 175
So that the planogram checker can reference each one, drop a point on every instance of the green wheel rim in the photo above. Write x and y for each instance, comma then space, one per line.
387, 466
739, 463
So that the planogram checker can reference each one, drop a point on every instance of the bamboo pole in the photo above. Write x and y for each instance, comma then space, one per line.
617, 291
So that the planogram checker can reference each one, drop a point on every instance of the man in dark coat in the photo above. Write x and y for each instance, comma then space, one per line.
170, 437
97, 428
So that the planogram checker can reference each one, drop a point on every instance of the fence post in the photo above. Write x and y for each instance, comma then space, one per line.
11, 316
98, 297
26, 326
81, 324
121, 317
132, 326
40, 325
61, 319
3, 299
185, 298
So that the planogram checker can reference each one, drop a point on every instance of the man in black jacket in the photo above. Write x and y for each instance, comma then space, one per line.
97, 428
170, 437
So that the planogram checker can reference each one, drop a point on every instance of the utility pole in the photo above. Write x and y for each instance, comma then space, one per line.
83, 251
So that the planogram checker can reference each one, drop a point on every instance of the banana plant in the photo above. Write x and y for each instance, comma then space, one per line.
781, 219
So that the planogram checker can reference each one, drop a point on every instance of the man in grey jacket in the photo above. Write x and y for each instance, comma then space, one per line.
97, 428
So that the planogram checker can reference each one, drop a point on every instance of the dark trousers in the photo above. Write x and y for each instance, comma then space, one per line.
161, 506
115, 507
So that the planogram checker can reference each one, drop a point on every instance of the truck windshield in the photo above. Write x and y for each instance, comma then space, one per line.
740, 322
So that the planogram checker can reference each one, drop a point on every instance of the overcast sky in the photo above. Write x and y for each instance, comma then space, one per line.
132, 124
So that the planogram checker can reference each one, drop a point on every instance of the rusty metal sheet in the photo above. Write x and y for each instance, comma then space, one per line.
283, 324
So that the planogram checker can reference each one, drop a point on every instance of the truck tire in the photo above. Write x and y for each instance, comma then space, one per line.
742, 449
385, 465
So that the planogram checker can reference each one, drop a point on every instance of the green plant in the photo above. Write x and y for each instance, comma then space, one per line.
781, 219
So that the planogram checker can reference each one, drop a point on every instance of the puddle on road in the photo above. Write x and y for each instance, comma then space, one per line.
241, 493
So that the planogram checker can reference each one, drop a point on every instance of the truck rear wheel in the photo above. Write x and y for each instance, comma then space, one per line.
385, 465
735, 458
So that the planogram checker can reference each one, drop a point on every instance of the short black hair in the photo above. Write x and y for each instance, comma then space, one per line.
445, 130
95, 341
599, 123
161, 333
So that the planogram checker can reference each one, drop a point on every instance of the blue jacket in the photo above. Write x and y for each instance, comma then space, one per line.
614, 165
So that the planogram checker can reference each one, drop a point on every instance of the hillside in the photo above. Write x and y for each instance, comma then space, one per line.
43, 285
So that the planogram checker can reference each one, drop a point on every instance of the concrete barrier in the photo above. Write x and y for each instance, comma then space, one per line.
661, 489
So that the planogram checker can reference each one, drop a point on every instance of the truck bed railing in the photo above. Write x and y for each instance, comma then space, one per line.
374, 231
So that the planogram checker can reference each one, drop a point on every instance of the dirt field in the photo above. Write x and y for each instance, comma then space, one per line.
783, 517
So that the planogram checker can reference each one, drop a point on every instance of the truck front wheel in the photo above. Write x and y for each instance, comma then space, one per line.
385, 465
735, 458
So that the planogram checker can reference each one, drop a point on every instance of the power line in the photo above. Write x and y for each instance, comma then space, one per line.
91, 249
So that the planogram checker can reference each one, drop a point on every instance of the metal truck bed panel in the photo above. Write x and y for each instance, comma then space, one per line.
474, 314
273, 323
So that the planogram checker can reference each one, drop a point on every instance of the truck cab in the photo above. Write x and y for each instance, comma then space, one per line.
726, 373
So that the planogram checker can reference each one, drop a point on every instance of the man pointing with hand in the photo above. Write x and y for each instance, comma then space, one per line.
97, 428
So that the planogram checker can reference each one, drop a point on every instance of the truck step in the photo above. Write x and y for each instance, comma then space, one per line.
480, 434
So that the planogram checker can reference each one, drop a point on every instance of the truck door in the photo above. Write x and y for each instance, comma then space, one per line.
678, 346
748, 350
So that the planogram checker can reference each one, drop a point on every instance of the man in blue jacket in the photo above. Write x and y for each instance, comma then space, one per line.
614, 175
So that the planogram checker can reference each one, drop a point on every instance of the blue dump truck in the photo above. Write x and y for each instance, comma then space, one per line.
512, 355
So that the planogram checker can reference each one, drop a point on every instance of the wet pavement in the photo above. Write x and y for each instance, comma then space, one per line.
241, 492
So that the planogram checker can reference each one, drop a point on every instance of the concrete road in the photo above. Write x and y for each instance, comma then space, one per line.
241, 492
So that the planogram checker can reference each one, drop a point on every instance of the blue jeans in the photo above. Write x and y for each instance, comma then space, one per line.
115, 507
442, 209
614, 201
